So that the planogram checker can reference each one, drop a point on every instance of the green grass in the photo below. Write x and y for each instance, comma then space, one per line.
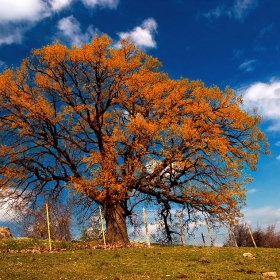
173, 262
24, 244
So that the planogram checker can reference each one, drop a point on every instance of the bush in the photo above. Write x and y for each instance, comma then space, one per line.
267, 238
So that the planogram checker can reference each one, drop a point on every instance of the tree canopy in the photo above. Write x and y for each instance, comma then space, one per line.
107, 123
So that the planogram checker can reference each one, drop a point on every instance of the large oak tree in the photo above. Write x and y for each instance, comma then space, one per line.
109, 124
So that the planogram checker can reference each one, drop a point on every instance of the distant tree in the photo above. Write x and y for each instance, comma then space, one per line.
271, 238
34, 222
267, 238
242, 236
106, 123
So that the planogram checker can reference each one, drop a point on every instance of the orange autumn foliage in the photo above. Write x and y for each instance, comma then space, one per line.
110, 124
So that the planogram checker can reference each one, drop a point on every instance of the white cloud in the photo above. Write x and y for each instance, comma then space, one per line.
263, 216
277, 143
1, 63
278, 157
18, 10
18, 16
34, 10
7, 211
265, 97
143, 35
12, 33
238, 10
248, 65
112, 4
193, 225
242, 7
251, 191
70, 30
57, 5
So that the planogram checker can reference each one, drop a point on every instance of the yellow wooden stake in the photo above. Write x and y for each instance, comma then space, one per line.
49, 229
102, 226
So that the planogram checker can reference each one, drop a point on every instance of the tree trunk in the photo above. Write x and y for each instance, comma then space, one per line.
115, 216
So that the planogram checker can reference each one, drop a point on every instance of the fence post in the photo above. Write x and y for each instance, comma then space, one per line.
203, 239
231, 233
102, 226
146, 227
252, 237
48, 224
209, 232
181, 231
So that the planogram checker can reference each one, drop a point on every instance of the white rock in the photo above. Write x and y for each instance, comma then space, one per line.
269, 274
248, 255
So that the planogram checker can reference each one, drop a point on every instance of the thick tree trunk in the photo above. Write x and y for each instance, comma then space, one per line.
115, 216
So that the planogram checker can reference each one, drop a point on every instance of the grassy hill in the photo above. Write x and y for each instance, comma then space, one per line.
170, 262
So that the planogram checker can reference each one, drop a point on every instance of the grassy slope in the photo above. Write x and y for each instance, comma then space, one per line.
142, 263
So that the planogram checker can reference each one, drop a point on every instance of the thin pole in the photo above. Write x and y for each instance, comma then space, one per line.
181, 231
209, 232
49, 228
102, 226
146, 227
251, 235
203, 239
231, 233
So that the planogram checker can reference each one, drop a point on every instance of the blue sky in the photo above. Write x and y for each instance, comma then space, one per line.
221, 42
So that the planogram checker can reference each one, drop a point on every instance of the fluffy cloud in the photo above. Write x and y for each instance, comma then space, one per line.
242, 7
112, 4
8, 211
266, 98
238, 10
248, 65
13, 33
263, 216
143, 35
57, 5
70, 31
27, 10
18, 16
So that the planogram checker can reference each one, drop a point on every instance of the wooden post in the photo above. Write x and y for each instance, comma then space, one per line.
102, 226
234, 239
146, 227
49, 228
209, 232
181, 231
203, 239
229, 238
231, 233
252, 237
